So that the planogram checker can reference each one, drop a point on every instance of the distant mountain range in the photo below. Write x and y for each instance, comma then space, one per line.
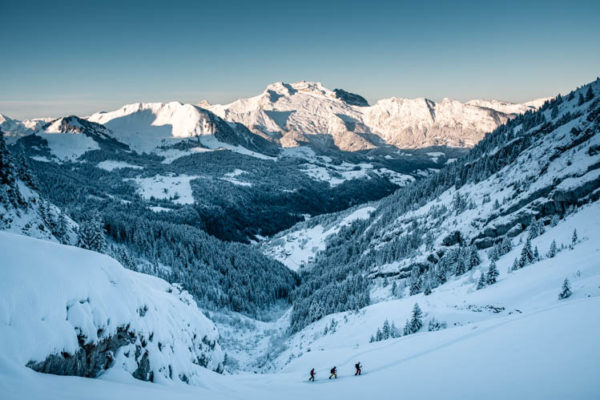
291, 115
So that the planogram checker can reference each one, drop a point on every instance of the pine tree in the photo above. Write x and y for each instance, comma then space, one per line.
91, 233
574, 238
589, 95
492, 274
61, 228
395, 332
415, 282
526, 254
552, 252
515, 265
386, 331
566, 290
416, 322
481, 283
474, 259
580, 100
378, 335
536, 253
427, 290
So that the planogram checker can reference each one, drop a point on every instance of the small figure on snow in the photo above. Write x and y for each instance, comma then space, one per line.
312, 375
333, 373
358, 369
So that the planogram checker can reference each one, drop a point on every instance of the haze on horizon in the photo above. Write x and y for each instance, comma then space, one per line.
69, 57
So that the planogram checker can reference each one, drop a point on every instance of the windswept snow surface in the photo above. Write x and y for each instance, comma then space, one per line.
51, 294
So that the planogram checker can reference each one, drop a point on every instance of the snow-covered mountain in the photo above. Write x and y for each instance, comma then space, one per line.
486, 266
147, 126
308, 113
13, 128
526, 175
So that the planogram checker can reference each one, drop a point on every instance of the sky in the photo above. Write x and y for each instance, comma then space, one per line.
78, 57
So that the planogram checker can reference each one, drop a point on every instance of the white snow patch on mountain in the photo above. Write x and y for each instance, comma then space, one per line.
68, 146
232, 178
110, 165
174, 188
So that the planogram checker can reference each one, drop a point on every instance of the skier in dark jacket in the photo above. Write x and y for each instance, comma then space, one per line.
358, 368
312, 375
333, 373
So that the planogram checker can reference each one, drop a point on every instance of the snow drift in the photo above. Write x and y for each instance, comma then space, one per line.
70, 311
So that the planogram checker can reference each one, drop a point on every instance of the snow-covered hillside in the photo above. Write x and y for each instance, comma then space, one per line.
308, 113
527, 175
70, 311
514, 338
22, 209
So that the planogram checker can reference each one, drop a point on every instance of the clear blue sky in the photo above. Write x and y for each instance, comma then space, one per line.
64, 57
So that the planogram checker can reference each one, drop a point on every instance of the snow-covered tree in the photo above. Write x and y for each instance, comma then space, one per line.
574, 238
552, 252
589, 95
481, 282
566, 290
427, 290
527, 256
492, 274
386, 331
91, 233
416, 322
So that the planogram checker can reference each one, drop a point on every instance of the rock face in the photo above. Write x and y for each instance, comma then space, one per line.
351, 98
91, 358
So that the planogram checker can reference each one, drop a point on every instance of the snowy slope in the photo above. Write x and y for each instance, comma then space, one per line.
524, 292
536, 347
526, 176
308, 113
62, 303
22, 209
